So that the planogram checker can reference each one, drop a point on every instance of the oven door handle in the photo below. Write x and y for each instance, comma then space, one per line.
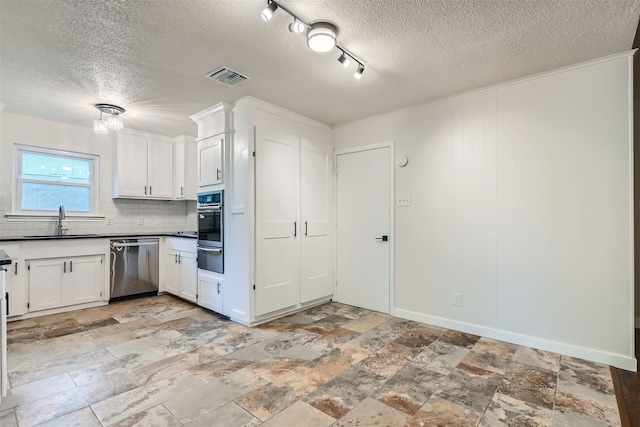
210, 208
218, 251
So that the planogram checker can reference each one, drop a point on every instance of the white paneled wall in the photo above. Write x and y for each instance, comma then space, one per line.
522, 202
124, 215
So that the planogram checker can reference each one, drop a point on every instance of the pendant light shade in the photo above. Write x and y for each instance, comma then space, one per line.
321, 37
102, 126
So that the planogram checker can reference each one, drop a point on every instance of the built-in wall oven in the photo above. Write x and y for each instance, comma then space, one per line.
211, 231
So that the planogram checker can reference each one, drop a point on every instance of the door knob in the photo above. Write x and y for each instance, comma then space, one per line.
383, 238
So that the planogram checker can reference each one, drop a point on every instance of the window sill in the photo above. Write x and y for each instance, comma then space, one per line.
51, 217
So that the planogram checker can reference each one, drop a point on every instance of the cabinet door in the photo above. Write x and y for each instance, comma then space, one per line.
316, 240
84, 280
45, 283
210, 161
132, 166
210, 290
277, 227
188, 276
172, 272
160, 166
17, 303
179, 187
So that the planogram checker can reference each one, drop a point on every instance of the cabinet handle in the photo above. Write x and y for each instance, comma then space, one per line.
295, 228
179, 258
305, 229
150, 191
218, 288
218, 178
6, 296
176, 261
182, 191
70, 266
145, 190
64, 267
16, 269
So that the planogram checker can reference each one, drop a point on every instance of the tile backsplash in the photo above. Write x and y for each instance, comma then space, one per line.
120, 216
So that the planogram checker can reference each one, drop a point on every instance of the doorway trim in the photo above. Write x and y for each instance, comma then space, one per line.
385, 144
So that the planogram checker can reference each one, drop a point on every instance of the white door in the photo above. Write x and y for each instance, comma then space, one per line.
277, 227
84, 280
316, 210
188, 276
46, 280
363, 218
160, 167
210, 161
132, 165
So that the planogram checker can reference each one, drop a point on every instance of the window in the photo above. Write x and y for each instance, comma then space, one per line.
50, 178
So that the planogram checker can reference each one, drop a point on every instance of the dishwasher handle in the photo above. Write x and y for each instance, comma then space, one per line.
126, 245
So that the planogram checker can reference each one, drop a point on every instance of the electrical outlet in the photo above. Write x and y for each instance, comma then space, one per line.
403, 200
109, 221
140, 220
457, 299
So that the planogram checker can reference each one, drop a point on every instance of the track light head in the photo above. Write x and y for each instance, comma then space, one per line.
268, 11
297, 27
359, 71
321, 37
344, 60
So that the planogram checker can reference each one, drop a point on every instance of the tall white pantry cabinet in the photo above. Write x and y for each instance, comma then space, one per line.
278, 201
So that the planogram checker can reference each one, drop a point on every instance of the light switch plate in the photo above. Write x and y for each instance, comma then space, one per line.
403, 200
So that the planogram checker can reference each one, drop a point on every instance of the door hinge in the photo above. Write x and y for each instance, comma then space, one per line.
28, 305
254, 287
254, 154
29, 267
196, 296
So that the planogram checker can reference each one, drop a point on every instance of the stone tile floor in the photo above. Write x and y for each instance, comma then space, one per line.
164, 362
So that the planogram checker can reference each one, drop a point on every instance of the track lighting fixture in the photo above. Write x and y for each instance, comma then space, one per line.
321, 36
114, 121
268, 11
344, 60
297, 26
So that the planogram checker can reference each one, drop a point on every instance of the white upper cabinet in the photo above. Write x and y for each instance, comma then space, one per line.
160, 169
214, 126
143, 167
184, 171
210, 161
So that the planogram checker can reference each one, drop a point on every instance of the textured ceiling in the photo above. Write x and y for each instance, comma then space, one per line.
59, 57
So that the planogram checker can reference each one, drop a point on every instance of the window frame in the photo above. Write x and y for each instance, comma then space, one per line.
93, 186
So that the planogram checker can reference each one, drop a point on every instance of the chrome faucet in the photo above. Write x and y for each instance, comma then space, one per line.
61, 216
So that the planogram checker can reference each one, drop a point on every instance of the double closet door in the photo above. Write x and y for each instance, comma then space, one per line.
294, 224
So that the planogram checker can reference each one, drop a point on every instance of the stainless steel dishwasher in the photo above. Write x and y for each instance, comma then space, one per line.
134, 268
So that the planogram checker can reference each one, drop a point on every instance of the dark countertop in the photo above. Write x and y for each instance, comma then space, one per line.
186, 234
4, 258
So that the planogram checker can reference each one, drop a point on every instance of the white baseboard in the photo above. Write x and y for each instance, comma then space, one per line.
617, 360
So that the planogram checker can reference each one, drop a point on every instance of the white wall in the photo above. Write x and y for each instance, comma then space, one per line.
522, 202
159, 216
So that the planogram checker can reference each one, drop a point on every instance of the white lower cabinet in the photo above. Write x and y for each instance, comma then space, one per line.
181, 268
60, 282
210, 291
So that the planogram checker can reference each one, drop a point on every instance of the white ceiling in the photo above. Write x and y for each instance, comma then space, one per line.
59, 57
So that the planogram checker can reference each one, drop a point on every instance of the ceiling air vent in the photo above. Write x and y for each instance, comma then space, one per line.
227, 76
